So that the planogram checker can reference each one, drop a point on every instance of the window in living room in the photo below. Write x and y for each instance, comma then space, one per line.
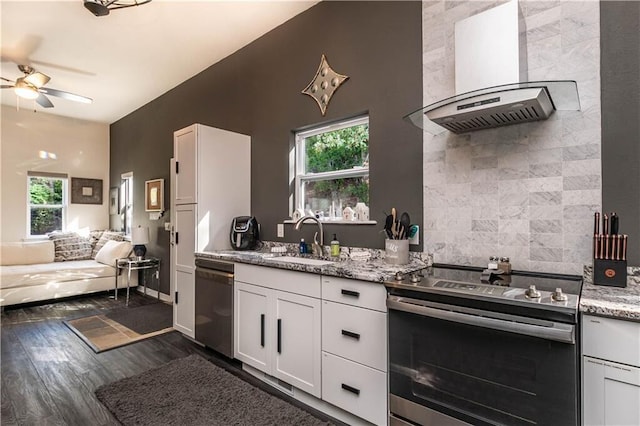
332, 167
47, 202
126, 201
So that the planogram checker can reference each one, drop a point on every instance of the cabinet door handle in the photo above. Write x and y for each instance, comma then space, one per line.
279, 335
262, 330
176, 298
177, 167
351, 389
177, 239
350, 293
351, 334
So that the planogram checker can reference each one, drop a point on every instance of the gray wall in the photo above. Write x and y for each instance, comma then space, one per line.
620, 75
256, 91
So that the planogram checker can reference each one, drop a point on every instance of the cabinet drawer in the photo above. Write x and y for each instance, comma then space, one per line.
355, 333
611, 339
296, 282
355, 388
356, 293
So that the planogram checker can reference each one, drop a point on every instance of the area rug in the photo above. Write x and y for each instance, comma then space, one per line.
193, 391
123, 326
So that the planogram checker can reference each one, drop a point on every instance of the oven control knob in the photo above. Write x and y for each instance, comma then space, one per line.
399, 276
558, 295
532, 292
415, 278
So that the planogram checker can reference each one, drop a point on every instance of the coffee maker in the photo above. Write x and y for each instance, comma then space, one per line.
245, 233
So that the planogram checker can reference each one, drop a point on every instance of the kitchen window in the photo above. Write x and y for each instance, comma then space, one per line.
332, 167
47, 202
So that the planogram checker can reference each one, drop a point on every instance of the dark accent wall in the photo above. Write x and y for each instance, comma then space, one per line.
257, 91
620, 83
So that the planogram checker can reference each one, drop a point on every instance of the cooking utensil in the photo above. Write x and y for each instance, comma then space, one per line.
394, 225
405, 223
388, 224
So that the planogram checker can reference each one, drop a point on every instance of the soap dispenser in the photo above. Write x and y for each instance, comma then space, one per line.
335, 246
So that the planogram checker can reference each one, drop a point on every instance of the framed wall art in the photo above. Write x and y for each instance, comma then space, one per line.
86, 191
154, 195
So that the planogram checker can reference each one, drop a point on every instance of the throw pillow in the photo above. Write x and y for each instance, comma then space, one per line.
70, 246
106, 236
113, 250
94, 237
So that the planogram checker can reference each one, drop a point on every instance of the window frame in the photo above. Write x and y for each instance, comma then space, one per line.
301, 177
64, 204
126, 202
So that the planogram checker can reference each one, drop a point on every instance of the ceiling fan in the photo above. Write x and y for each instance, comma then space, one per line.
30, 86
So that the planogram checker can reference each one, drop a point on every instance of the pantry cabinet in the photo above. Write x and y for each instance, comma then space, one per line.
278, 320
611, 371
203, 204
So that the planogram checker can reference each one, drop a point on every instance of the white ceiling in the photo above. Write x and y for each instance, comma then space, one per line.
130, 57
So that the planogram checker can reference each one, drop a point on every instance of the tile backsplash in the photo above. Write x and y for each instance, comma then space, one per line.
527, 191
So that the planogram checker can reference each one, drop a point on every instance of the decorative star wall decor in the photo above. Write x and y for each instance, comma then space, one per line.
324, 84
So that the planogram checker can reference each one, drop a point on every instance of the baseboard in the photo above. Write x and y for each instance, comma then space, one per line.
154, 293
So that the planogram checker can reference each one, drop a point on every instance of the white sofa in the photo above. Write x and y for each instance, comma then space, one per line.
28, 273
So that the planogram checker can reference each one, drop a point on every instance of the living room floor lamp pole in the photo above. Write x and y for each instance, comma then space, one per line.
140, 237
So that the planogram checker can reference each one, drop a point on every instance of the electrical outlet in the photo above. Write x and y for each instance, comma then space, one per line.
167, 226
281, 230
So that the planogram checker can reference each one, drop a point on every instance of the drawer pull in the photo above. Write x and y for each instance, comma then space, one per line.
350, 293
262, 330
351, 334
351, 389
279, 343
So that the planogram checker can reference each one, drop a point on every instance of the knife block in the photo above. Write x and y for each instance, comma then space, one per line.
612, 273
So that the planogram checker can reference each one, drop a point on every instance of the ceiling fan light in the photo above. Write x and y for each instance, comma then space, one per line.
24, 90
96, 7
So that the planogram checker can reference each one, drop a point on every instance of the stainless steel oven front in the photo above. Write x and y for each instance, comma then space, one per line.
460, 365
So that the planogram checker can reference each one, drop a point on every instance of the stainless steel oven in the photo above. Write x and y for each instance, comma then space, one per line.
501, 352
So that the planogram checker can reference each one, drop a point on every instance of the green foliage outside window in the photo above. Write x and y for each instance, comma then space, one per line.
339, 150
45, 199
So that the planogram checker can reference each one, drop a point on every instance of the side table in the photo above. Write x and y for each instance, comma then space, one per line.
133, 264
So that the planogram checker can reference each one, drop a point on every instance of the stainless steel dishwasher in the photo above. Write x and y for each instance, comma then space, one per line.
214, 305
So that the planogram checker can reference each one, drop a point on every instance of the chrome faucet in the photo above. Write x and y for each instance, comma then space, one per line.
318, 249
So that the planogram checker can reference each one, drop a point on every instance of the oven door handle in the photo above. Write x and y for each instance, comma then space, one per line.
554, 331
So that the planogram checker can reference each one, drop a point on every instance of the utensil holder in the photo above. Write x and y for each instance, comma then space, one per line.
612, 273
396, 251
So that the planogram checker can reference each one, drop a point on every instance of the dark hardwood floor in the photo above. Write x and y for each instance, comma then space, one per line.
49, 375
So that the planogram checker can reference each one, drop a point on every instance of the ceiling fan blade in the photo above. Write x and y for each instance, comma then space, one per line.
65, 95
37, 79
6, 79
7, 86
43, 101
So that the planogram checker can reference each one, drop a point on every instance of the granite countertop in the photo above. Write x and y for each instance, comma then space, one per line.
613, 302
373, 268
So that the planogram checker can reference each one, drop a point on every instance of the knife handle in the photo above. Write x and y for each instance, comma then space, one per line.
624, 247
595, 247
605, 224
596, 224
615, 223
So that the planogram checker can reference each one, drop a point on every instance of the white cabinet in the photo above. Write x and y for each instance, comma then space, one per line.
354, 347
184, 223
278, 320
611, 371
211, 184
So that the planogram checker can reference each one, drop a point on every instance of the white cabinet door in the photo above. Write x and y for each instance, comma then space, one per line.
185, 152
184, 269
297, 357
611, 393
252, 344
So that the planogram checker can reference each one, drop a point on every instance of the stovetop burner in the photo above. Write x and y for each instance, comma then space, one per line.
533, 290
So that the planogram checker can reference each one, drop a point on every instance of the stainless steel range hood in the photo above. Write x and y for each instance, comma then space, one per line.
490, 77
497, 106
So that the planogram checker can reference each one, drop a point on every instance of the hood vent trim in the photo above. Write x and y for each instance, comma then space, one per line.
497, 106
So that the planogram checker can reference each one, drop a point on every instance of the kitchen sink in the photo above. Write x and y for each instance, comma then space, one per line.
303, 260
